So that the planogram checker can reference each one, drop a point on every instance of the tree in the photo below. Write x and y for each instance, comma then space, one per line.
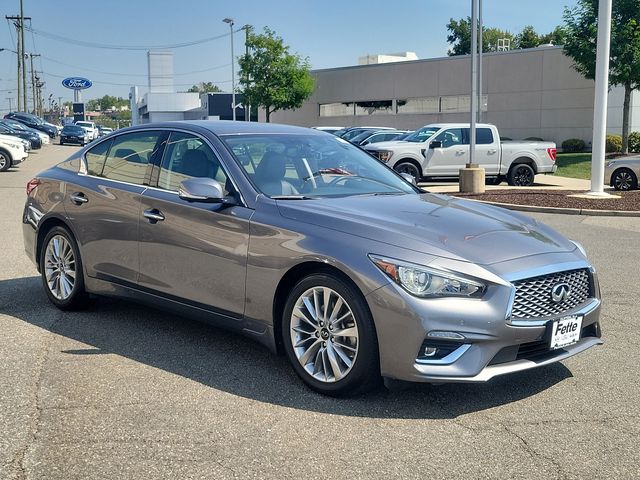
271, 77
460, 37
204, 87
557, 37
106, 103
527, 38
581, 28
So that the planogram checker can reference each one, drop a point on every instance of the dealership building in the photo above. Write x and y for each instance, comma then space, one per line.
526, 93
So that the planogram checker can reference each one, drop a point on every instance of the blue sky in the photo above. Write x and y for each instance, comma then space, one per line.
331, 33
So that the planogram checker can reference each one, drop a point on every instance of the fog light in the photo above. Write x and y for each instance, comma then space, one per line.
430, 351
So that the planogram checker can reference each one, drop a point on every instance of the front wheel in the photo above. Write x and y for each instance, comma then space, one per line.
329, 337
521, 175
409, 168
5, 161
624, 179
61, 270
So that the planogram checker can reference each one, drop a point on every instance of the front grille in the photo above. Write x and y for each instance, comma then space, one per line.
533, 295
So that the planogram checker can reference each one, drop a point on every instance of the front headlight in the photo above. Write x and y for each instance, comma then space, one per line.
384, 155
14, 145
428, 282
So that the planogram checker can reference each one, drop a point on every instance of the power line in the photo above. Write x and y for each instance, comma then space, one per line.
84, 43
55, 75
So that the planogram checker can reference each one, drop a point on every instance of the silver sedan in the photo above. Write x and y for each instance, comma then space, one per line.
623, 173
310, 246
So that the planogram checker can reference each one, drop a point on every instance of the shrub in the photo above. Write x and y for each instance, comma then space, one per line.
613, 143
634, 142
573, 145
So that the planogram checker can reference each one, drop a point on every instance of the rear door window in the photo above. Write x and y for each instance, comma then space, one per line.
129, 156
96, 156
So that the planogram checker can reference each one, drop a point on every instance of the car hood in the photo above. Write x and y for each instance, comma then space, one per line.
433, 224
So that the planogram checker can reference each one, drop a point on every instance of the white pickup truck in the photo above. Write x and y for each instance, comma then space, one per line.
442, 149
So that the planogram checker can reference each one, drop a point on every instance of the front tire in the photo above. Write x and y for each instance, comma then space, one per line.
61, 270
5, 161
329, 336
624, 179
410, 168
521, 175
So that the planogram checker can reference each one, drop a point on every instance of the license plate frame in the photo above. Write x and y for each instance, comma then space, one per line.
565, 331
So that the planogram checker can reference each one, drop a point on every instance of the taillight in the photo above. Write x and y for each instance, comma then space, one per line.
32, 184
552, 154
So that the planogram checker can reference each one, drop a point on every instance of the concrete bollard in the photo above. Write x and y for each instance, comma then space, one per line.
472, 179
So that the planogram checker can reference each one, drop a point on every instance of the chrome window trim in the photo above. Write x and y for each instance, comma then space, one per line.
449, 359
83, 161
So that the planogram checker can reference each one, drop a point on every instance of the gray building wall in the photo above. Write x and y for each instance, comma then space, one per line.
530, 93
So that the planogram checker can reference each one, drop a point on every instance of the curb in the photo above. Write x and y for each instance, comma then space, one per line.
565, 211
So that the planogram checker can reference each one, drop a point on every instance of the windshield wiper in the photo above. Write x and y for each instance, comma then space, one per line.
291, 197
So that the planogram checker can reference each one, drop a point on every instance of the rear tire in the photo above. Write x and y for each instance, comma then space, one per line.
521, 175
319, 308
61, 270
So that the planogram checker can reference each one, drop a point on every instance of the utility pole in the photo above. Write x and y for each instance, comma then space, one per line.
39, 85
33, 84
18, 21
247, 105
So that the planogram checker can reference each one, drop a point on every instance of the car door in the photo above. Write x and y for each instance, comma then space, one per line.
487, 150
194, 252
450, 156
104, 205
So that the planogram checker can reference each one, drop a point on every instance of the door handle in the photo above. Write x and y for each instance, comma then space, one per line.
154, 215
460, 152
492, 151
78, 198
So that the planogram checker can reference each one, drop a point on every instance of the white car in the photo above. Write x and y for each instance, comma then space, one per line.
90, 128
442, 149
12, 151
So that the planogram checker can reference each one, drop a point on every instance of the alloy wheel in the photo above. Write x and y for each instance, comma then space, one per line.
622, 181
60, 267
324, 334
409, 168
523, 177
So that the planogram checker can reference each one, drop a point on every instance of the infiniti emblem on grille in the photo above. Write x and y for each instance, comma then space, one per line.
560, 292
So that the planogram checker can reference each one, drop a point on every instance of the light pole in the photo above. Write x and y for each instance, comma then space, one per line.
233, 71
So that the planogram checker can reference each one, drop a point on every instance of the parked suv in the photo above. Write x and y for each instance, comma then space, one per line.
33, 121
90, 128
12, 151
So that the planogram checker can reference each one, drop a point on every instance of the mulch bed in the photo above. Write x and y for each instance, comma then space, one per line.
630, 201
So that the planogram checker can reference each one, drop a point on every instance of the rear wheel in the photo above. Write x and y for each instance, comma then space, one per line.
409, 168
521, 175
624, 179
5, 161
61, 270
329, 337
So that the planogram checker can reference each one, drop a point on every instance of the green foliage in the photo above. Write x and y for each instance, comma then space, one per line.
527, 38
574, 165
581, 28
106, 103
557, 37
634, 142
613, 144
573, 145
459, 37
271, 77
204, 87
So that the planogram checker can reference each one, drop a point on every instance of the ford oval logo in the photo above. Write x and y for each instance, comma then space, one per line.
76, 83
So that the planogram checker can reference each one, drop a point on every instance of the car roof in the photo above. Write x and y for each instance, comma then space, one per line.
229, 127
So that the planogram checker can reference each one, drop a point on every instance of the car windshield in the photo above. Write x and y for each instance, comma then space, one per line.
422, 135
72, 129
312, 166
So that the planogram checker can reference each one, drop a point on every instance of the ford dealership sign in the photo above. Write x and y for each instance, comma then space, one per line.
77, 83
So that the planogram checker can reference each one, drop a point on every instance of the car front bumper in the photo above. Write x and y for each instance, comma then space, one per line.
490, 345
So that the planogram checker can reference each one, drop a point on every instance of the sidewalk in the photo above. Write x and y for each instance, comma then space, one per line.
541, 182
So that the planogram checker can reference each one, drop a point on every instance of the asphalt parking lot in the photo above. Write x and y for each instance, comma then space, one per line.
125, 391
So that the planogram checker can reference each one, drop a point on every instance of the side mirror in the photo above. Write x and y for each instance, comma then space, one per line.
204, 190
409, 178
435, 144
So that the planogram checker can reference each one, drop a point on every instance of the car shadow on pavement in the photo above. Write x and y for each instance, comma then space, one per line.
234, 364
